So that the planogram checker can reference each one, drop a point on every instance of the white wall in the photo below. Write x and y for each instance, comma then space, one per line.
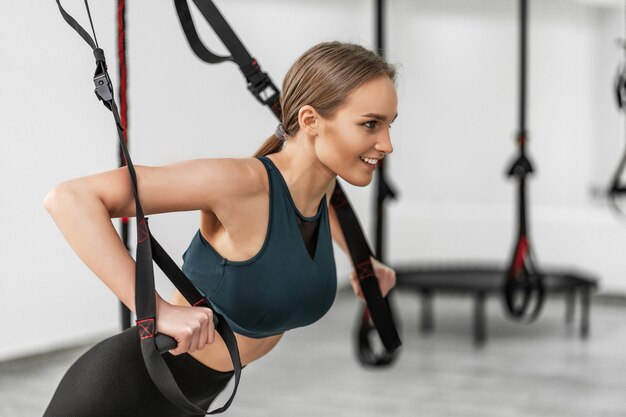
453, 139
458, 118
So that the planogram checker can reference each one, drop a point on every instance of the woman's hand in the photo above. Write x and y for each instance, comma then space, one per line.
386, 279
192, 327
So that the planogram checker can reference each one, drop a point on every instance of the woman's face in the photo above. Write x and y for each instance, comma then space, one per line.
356, 138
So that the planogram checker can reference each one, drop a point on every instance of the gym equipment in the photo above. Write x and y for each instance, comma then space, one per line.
147, 250
483, 281
364, 348
617, 188
521, 285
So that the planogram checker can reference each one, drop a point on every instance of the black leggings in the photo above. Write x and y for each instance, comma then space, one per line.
111, 380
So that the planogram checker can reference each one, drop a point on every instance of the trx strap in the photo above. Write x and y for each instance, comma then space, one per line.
259, 83
523, 285
121, 59
365, 351
617, 188
262, 87
148, 249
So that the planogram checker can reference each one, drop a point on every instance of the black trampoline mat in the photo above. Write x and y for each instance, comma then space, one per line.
484, 278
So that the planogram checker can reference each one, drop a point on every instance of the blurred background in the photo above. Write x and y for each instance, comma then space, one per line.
454, 141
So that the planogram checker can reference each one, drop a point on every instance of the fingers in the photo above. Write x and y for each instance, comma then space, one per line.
388, 281
356, 287
385, 276
211, 329
207, 329
204, 329
192, 327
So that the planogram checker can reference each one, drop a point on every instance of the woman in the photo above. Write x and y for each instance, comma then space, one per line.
263, 252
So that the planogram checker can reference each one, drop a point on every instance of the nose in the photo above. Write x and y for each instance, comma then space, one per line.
384, 142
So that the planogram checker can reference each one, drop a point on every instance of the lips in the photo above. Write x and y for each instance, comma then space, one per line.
370, 161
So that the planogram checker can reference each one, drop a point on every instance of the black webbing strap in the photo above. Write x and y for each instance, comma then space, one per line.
617, 188
259, 83
153, 343
364, 348
523, 284
360, 251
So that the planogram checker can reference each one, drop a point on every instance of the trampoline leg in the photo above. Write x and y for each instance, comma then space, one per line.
570, 305
480, 320
585, 299
427, 317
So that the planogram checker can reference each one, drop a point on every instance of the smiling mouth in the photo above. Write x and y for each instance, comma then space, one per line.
370, 161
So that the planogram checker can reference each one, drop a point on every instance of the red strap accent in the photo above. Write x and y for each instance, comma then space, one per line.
146, 328
142, 231
200, 303
520, 254
364, 270
121, 56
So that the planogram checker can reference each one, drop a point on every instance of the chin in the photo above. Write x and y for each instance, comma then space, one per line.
357, 180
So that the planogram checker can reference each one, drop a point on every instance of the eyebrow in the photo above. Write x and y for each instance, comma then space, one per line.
379, 116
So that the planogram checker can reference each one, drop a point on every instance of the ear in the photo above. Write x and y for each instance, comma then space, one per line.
308, 119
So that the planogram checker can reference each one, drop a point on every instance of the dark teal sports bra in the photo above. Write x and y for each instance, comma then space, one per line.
281, 287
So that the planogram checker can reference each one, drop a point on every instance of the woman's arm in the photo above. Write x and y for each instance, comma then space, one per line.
82, 208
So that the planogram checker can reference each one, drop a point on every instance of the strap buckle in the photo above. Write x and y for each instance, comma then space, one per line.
104, 88
262, 87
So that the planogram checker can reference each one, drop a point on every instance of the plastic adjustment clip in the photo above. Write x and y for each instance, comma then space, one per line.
104, 89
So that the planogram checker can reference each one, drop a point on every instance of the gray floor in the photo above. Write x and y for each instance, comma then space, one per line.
539, 370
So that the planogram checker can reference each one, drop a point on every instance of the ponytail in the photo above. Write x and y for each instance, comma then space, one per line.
272, 145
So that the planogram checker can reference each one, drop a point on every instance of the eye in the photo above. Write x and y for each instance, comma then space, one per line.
370, 124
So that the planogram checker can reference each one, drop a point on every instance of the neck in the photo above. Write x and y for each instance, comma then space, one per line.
306, 177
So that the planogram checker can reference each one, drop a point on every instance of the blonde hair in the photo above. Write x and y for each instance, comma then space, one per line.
323, 77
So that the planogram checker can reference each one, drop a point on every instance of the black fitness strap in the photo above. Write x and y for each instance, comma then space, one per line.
153, 343
266, 92
523, 284
259, 83
384, 190
617, 188
360, 253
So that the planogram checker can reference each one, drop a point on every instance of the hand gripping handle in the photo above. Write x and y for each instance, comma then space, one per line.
164, 342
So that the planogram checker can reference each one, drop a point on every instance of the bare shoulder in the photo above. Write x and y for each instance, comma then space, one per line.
243, 181
240, 203
249, 177
198, 184
239, 176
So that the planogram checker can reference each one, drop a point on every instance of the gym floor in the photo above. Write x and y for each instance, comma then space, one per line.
542, 369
